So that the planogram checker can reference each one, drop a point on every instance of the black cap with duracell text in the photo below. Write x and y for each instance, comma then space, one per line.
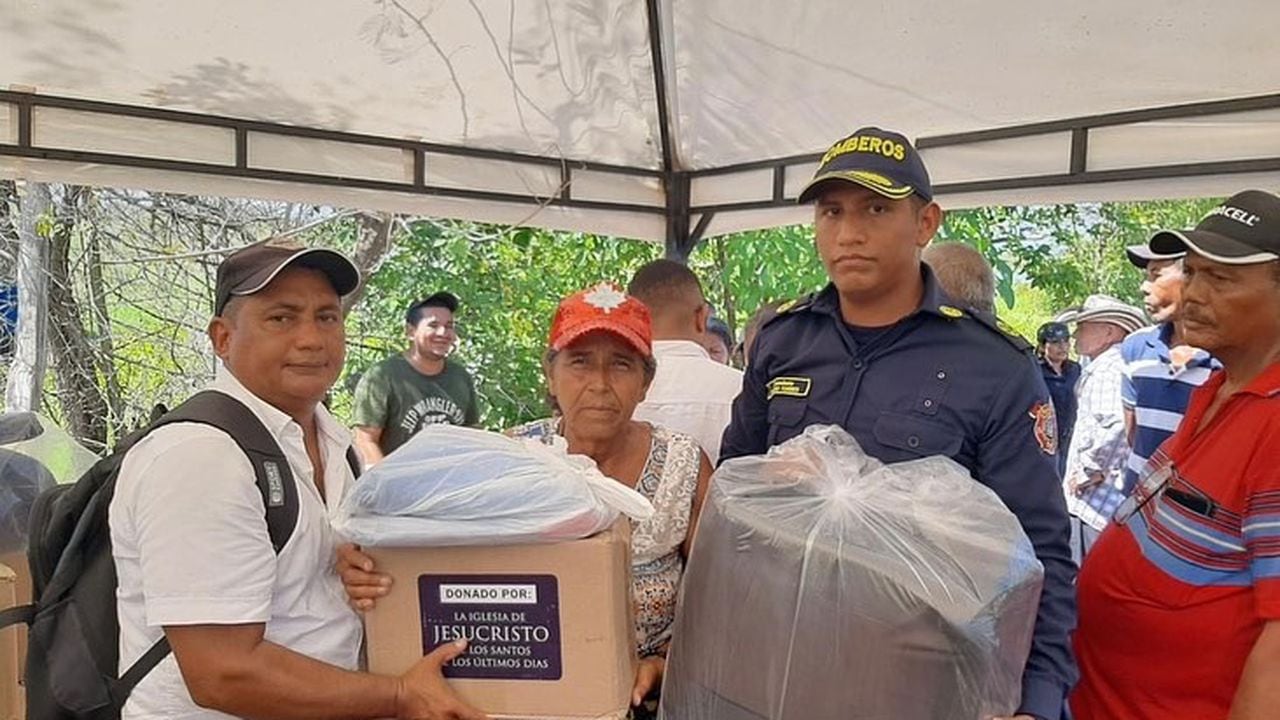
251, 268
1244, 230
879, 160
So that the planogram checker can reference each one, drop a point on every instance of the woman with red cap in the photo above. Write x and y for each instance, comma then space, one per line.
599, 363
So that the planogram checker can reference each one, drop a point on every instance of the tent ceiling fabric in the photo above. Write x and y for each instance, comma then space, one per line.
548, 112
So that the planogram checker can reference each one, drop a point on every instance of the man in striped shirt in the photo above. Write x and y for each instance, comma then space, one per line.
1160, 370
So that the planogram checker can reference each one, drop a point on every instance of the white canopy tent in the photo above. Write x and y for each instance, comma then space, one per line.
664, 120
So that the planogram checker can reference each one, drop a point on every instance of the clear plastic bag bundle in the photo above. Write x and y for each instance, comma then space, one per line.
451, 485
825, 584
34, 455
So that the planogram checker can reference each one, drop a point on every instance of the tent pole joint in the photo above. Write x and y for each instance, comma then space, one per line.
680, 241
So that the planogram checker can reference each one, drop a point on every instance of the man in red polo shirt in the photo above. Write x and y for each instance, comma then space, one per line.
1179, 600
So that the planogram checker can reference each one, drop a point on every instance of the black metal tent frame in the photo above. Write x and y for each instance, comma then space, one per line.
682, 233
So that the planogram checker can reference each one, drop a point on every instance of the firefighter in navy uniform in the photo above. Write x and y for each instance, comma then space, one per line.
885, 354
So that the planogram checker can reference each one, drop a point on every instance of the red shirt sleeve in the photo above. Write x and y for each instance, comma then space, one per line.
1261, 525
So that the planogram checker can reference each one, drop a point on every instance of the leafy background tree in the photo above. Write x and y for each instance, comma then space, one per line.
1067, 251
132, 272
509, 284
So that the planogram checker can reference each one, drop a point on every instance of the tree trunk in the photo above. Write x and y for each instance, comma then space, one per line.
372, 247
75, 361
8, 267
8, 229
728, 313
30, 356
100, 325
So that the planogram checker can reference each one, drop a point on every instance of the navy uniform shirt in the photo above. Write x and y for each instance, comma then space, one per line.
1062, 389
941, 381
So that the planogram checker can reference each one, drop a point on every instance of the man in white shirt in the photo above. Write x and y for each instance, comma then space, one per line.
691, 393
1093, 480
253, 633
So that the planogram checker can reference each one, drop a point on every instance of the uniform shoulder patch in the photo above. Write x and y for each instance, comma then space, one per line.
790, 307
1003, 329
799, 303
1046, 426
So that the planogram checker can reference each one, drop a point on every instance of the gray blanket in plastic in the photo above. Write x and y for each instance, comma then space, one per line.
825, 584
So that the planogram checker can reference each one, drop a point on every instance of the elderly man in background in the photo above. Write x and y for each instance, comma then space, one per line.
1094, 477
964, 274
1160, 368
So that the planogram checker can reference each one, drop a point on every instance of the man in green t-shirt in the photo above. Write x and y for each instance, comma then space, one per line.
406, 392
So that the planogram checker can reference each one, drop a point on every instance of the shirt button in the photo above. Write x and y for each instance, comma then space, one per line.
942, 375
913, 441
928, 403
857, 364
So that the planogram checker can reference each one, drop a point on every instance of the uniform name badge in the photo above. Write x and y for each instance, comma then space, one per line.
789, 387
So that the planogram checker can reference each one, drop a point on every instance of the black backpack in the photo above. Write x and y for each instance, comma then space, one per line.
73, 648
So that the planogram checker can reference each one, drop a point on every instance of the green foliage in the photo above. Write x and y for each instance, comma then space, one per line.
509, 280
1068, 251
1030, 309
741, 272
1046, 258
509, 284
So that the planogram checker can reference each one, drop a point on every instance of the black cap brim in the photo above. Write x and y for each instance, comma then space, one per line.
1142, 255
1212, 245
342, 273
443, 299
872, 181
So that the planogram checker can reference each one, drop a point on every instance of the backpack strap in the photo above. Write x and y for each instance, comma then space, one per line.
122, 688
353, 460
24, 614
270, 467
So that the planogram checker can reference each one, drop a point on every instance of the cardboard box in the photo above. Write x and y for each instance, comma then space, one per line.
17, 562
12, 696
550, 626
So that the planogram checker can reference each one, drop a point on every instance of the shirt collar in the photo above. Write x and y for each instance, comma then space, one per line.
933, 300
827, 301
681, 348
1110, 355
276, 420
1066, 365
1159, 341
1267, 384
